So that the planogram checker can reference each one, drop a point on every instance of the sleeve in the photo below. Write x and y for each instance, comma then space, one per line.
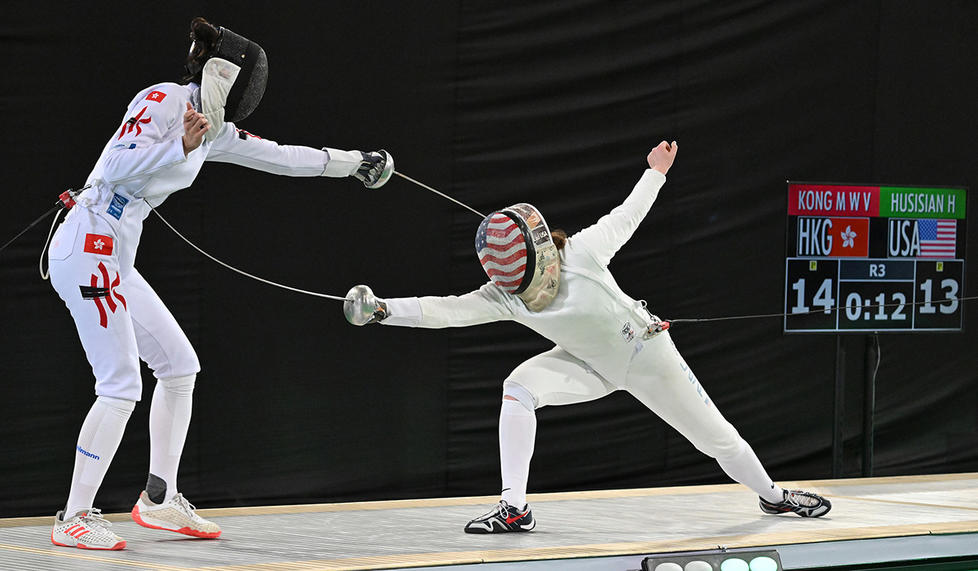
604, 238
141, 146
483, 305
240, 147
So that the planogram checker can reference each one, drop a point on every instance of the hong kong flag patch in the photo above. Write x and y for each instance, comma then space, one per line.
98, 244
156, 96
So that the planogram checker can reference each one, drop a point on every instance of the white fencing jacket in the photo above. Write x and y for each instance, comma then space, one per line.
144, 160
591, 317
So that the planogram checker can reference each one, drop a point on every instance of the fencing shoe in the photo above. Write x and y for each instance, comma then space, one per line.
503, 518
805, 504
176, 514
85, 530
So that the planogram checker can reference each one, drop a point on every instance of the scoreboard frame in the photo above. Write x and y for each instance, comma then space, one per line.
853, 263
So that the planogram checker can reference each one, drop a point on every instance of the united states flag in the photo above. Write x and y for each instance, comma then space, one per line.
938, 238
502, 251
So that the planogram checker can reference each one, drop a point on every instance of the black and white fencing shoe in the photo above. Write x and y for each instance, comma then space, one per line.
502, 519
805, 504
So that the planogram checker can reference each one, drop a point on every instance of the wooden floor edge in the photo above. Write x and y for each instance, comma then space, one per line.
533, 498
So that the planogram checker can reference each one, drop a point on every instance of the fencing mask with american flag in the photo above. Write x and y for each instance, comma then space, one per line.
518, 254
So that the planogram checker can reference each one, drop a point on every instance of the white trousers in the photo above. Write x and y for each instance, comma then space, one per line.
658, 377
119, 317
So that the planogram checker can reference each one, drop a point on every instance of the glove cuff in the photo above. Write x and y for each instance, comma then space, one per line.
404, 311
341, 163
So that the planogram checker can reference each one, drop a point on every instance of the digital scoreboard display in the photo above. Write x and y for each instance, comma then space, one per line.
874, 258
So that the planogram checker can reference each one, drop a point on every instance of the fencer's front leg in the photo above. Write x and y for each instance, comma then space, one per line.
362, 307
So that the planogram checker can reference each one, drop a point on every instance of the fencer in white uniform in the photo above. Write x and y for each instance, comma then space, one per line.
605, 341
167, 133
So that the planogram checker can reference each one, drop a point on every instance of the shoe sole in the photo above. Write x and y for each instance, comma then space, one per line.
116, 547
184, 530
769, 511
483, 531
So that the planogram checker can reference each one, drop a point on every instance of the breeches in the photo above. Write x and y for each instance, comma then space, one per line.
119, 317
658, 377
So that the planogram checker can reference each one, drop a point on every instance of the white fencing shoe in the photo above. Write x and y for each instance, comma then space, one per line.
85, 530
177, 515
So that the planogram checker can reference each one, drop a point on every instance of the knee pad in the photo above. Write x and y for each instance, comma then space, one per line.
521, 394
179, 385
121, 406
185, 364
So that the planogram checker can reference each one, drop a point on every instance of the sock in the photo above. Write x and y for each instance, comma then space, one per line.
98, 441
517, 432
155, 488
169, 419
747, 469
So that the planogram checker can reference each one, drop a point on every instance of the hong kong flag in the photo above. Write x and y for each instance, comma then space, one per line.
156, 96
98, 244
850, 237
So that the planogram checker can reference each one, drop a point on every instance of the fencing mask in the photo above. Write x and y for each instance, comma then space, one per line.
232, 76
518, 254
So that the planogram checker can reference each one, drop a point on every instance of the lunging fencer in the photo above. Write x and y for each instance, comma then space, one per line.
561, 288
169, 130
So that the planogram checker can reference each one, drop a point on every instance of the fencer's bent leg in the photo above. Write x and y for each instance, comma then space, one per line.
169, 420
551, 378
95, 292
556, 377
98, 441
167, 351
159, 339
517, 433
98, 298
663, 382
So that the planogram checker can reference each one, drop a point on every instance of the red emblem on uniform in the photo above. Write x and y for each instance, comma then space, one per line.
98, 244
242, 134
105, 291
134, 123
156, 96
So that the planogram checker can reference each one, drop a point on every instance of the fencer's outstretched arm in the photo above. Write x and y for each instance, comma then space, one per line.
240, 147
609, 234
484, 305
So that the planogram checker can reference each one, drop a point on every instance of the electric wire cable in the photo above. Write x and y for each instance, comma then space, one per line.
425, 186
828, 310
242, 272
442, 194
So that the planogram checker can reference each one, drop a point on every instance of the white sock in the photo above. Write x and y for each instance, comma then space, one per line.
169, 419
747, 469
98, 440
517, 432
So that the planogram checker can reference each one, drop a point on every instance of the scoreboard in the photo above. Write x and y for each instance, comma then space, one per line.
874, 258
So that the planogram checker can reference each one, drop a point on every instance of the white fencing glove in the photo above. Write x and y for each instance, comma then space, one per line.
362, 307
375, 169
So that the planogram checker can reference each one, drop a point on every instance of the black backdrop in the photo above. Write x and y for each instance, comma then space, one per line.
554, 103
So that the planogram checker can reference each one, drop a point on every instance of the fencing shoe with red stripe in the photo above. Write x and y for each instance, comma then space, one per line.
805, 504
503, 518
175, 514
85, 530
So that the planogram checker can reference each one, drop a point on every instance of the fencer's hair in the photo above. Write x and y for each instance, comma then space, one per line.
204, 36
559, 238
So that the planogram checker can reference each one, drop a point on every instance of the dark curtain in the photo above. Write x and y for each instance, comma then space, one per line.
556, 104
